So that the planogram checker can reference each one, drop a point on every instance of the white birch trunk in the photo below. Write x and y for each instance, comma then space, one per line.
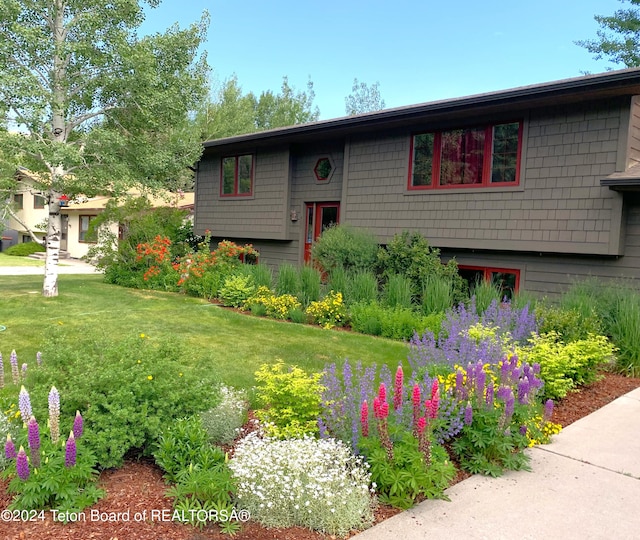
52, 256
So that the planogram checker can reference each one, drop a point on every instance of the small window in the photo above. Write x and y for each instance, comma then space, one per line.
84, 227
237, 176
323, 169
38, 201
507, 280
18, 200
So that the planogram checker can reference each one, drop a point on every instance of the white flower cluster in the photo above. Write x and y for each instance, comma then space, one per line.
312, 483
224, 421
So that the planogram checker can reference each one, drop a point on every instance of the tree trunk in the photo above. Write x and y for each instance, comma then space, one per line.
50, 285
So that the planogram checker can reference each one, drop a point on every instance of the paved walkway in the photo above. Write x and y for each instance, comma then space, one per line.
584, 485
65, 266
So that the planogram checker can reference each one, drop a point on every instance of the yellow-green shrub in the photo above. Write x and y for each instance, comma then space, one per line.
329, 311
290, 400
278, 307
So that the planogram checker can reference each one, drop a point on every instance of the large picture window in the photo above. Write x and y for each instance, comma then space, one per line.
483, 156
237, 176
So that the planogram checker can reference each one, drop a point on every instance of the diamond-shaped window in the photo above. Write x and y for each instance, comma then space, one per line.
323, 169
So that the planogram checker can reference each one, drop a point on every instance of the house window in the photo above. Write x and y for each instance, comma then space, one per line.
323, 169
507, 280
18, 200
237, 176
84, 227
486, 156
38, 201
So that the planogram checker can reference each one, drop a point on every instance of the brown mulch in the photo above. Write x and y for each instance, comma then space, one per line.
137, 492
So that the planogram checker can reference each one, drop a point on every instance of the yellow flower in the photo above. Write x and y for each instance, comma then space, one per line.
139, 361
180, 374
142, 336
150, 377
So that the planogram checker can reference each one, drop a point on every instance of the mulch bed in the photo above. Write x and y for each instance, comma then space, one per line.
137, 492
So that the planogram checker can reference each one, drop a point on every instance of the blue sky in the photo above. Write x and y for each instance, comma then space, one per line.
418, 50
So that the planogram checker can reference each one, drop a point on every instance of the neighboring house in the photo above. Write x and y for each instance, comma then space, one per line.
32, 210
533, 186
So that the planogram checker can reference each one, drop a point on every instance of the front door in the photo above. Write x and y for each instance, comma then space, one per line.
319, 216
64, 232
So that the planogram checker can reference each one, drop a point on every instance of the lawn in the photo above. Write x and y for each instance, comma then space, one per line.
8, 260
233, 344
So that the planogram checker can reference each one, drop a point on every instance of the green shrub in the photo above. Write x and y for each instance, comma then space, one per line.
344, 246
362, 286
394, 323
310, 281
290, 400
437, 294
569, 324
329, 311
398, 291
485, 292
298, 316
279, 307
563, 367
318, 484
261, 273
236, 290
337, 280
24, 249
366, 318
130, 387
288, 280
224, 421
625, 333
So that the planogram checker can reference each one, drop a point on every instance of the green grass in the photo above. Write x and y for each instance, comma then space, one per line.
233, 344
8, 260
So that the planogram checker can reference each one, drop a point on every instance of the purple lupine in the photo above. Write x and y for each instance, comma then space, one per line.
509, 404
15, 373
548, 410
523, 391
24, 404
38, 358
54, 415
70, 451
24, 371
9, 448
481, 379
33, 437
523, 430
22, 464
78, 425
468, 415
490, 394
1, 372
460, 389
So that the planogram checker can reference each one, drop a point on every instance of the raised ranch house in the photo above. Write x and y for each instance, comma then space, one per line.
533, 186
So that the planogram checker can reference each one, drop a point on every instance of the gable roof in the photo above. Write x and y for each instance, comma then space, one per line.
625, 82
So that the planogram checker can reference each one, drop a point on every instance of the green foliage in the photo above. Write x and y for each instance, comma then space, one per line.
397, 292
568, 324
261, 273
24, 249
437, 294
290, 400
624, 328
236, 290
129, 387
345, 246
485, 292
363, 98
337, 280
224, 421
203, 481
288, 281
328, 312
618, 36
563, 367
279, 307
310, 281
362, 286
394, 323
404, 479
409, 254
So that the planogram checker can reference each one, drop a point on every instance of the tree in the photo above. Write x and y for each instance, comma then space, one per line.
618, 37
233, 113
96, 108
364, 98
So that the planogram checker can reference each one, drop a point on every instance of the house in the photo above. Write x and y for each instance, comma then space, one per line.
535, 186
32, 210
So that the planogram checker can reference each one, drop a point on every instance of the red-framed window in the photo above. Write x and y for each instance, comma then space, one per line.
507, 280
483, 156
236, 176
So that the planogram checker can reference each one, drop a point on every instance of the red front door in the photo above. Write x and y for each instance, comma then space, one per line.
318, 217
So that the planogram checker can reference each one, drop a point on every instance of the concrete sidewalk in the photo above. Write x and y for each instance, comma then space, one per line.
65, 266
584, 485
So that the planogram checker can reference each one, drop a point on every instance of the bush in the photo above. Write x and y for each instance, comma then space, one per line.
344, 246
362, 286
288, 281
236, 290
25, 249
310, 280
223, 422
310, 483
568, 324
398, 292
129, 387
290, 400
393, 323
329, 311
437, 294
279, 307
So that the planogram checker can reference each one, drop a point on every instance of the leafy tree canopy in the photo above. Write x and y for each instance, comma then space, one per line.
231, 112
364, 98
90, 106
618, 37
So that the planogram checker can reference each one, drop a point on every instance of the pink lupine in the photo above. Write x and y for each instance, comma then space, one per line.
384, 410
376, 407
382, 393
398, 389
422, 424
415, 399
364, 418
